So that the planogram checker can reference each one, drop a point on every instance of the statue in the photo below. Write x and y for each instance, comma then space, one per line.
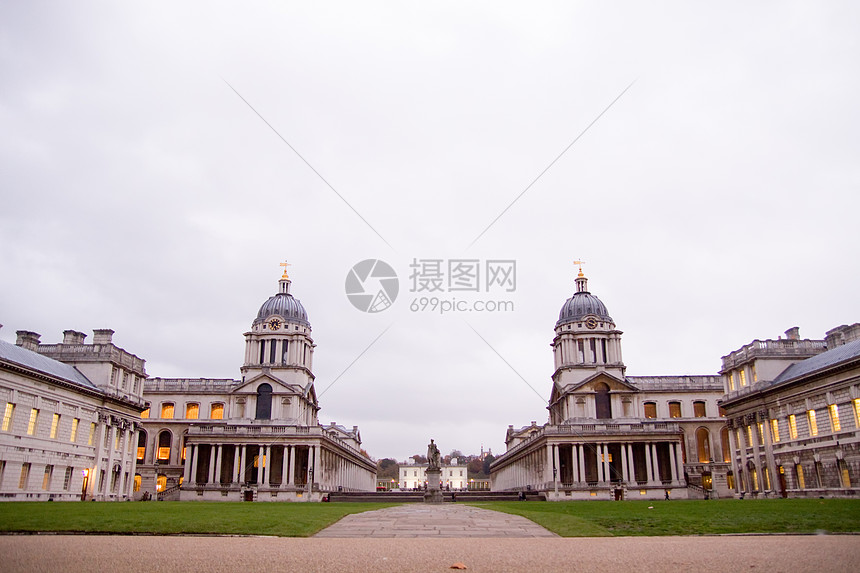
433, 456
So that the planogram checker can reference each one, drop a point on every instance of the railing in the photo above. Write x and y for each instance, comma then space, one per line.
772, 348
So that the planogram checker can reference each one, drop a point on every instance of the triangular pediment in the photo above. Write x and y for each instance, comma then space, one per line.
251, 384
589, 384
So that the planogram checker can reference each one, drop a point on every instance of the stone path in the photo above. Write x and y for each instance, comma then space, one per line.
434, 521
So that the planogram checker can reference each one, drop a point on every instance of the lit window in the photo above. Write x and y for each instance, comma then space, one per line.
46, 480
167, 411
792, 427
118, 441
754, 476
160, 482
674, 409
74, 435
55, 421
834, 418
10, 407
843, 473
774, 430
813, 426
145, 413
163, 453
760, 433
754, 373
766, 478
25, 475
650, 410
141, 446
801, 482
192, 411
31, 425
743, 380
699, 409
731, 381
137, 482
67, 479
749, 437
217, 412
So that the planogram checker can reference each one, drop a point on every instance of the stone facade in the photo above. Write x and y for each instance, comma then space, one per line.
453, 476
71, 415
793, 409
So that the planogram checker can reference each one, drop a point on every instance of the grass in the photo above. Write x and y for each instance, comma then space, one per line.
236, 518
678, 517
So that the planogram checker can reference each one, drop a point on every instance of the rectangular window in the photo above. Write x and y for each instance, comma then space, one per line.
760, 427
754, 373
593, 348
137, 481
834, 418
125, 380
754, 476
74, 434
603, 344
801, 481
25, 476
749, 437
217, 412
743, 375
813, 426
167, 410
92, 434
792, 427
106, 441
55, 421
145, 414
192, 411
262, 351
141, 451
31, 425
731, 382
774, 430
674, 409
118, 440
273, 351
650, 410
580, 346
67, 479
699, 409
857, 412
46, 480
10, 408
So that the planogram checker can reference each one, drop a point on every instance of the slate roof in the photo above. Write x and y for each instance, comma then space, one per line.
821, 361
34, 361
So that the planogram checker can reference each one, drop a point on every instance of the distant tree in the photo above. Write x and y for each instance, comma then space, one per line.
456, 454
387, 468
419, 459
476, 468
487, 461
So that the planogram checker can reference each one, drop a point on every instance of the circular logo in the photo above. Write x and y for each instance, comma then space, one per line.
372, 285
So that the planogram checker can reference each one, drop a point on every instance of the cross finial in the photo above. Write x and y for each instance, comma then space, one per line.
579, 263
285, 264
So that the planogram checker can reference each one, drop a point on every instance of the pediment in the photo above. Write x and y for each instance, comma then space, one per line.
590, 384
250, 385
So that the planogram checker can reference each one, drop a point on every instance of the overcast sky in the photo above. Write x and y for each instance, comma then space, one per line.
715, 202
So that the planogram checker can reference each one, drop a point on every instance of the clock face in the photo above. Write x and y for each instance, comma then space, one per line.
591, 322
274, 324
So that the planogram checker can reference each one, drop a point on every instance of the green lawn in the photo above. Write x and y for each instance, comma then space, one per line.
281, 519
677, 517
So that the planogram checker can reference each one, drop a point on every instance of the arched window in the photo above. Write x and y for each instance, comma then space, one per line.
264, 402
703, 445
163, 454
141, 446
603, 401
727, 448
161, 482
192, 411
650, 410
217, 412
137, 482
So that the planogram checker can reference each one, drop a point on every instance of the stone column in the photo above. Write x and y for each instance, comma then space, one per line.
218, 460
631, 464
679, 460
292, 469
673, 461
756, 447
655, 464
648, 464
235, 477
557, 465
264, 463
112, 432
580, 455
211, 477
186, 470
285, 463
242, 463
769, 459
742, 434
625, 475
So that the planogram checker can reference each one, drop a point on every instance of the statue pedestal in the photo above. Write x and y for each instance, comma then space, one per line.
433, 495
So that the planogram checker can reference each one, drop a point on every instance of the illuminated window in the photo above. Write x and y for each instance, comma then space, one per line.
749, 437
801, 481
10, 408
31, 425
74, 435
145, 414
743, 379
754, 477
703, 445
730, 480
856, 412
731, 381
754, 373
774, 430
163, 453
46, 480
167, 410
727, 450
92, 434
792, 427
674, 409
137, 481
813, 426
650, 410
766, 472
141, 446
160, 482
760, 427
699, 409
834, 418
55, 421
192, 411
844, 476
67, 479
25, 476
217, 412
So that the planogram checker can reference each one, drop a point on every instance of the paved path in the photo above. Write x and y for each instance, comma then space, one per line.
426, 520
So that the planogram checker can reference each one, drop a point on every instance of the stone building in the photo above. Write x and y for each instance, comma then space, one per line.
256, 438
613, 436
793, 409
454, 476
71, 415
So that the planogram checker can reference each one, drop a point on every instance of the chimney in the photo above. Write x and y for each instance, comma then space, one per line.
28, 340
355, 430
793, 333
102, 336
73, 337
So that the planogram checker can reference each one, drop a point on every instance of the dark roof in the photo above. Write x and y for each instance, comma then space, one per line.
285, 306
579, 306
822, 361
16, 355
